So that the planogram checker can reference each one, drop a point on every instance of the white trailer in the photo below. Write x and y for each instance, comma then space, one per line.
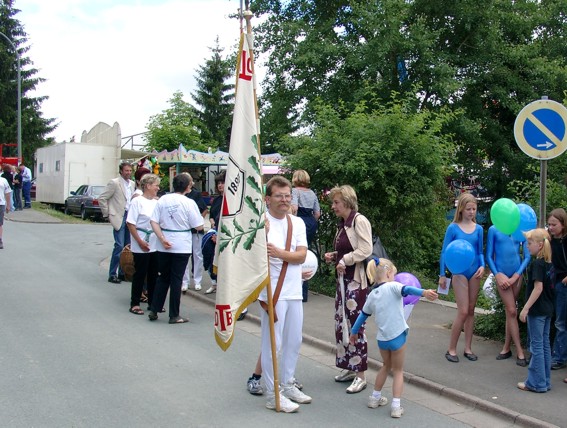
63, 167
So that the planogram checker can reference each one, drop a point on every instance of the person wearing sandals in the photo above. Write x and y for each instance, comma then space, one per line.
143, 241
503, 258
538, 310
172, 220
214, 217
466, 285
353, 245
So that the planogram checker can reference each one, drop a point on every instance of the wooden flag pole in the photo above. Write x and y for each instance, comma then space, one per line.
248, 16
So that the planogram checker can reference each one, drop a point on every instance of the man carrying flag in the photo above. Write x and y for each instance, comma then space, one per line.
287, 249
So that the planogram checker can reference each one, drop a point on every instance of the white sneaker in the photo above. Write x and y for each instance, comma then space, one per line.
290, 391
212, 289
357, 385
397, 412
197, 287
374, 402
286, 405
184, 289
345, 376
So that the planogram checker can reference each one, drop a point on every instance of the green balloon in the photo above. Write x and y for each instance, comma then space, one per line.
505, 215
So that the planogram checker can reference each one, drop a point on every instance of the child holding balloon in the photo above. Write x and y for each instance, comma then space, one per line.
503, 257
385, 302
466, 279
537, 311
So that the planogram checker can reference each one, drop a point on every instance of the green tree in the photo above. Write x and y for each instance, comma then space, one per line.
487, 58
214, 99
394, 158
35, 127
176, 125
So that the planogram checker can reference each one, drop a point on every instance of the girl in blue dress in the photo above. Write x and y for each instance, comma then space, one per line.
503, 258
465, 285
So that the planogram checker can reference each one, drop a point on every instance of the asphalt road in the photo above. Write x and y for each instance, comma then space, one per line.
73, 356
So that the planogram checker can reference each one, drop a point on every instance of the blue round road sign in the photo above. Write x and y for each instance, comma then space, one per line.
540, 129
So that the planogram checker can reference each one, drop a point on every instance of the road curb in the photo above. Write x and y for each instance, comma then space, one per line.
504, 413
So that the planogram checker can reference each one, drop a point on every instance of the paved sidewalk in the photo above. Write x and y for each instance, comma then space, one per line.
30, 215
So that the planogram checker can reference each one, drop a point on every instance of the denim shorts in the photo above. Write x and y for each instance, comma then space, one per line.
394, 344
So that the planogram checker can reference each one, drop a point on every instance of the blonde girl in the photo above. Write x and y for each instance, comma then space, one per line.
386, 303
538, 310
467, 284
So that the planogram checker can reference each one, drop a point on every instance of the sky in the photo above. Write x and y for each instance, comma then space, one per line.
120, 60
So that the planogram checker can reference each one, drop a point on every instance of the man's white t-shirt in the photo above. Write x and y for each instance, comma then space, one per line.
4, 188
139, 214
176, 215
292, 285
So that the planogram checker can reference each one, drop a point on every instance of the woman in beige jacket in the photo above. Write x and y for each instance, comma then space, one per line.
353, 244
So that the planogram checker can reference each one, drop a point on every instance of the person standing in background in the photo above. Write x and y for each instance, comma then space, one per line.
196, 268
8, 175
304, 204
5, 204
17, 189
114, 202
26, 184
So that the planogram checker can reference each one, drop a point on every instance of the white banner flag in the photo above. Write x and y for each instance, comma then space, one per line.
241, 255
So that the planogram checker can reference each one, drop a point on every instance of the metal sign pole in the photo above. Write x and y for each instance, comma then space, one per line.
542, 192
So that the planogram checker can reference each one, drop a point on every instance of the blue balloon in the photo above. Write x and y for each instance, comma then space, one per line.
528, 221
459, 256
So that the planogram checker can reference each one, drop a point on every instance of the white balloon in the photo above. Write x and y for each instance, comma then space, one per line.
309, 265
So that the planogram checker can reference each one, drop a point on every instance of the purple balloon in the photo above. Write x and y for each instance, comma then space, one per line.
410, 280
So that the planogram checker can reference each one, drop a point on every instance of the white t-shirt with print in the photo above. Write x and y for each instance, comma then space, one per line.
178, 213
139, 214
292, 285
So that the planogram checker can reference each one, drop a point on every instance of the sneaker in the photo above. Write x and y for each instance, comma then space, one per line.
254, 387
286, 405
290, 391
212, 289
198, 287
374, 402
184, 289
397, 412
297, 383
345, 376
558, 366
242, 315
357, 385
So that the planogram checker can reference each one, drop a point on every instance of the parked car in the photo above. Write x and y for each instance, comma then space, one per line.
84, 201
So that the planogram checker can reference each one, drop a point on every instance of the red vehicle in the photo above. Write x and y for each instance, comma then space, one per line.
9, 154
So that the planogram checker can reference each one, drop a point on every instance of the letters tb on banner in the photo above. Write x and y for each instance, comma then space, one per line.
241, 255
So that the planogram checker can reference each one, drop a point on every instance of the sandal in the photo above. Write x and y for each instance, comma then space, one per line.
136, 310
178, 320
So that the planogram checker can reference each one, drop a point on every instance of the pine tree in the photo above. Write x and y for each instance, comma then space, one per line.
35, 127
214, 99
